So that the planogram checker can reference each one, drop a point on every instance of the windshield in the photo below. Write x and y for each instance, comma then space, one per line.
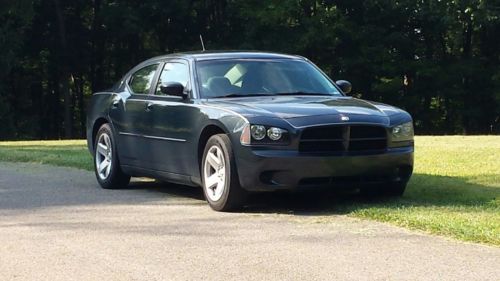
255, 77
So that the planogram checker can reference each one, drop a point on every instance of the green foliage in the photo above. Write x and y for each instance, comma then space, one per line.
15, 17
437, 59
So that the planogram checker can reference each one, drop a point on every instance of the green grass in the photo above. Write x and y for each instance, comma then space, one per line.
455, 189
68, 153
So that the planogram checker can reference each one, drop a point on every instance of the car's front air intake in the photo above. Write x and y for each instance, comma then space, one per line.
343, 138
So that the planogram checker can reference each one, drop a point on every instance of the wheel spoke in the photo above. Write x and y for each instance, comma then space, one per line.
219, 189
213, 160
108, 169
102, 149
103, 165
220, 157
212, 181
106, 141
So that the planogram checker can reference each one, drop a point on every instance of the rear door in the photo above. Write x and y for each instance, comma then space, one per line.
130, 116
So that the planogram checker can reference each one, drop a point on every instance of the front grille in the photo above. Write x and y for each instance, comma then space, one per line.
343, 138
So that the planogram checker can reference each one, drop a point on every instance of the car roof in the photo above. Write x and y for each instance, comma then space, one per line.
215, 55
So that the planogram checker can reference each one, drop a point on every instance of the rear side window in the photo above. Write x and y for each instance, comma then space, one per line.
141, 80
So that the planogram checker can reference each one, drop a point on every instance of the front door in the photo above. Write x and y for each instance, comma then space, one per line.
172, 121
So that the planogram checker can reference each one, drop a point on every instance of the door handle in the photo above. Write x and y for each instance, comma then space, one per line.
115, 104
149, 106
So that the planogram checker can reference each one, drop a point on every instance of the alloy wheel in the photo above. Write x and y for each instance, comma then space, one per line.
103, 156
214, 173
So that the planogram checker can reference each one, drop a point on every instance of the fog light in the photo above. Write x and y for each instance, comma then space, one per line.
258, 132
274, 133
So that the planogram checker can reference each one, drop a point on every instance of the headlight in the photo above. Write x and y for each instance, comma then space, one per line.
263, 135
402, 132
258, 132
274, 133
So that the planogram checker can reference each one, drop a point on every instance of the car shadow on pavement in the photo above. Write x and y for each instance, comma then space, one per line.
24, 187
423, 190
166, 188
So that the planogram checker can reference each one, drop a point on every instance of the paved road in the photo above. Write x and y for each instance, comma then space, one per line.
57, 224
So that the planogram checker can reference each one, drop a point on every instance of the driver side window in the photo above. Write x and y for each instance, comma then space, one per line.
173, 72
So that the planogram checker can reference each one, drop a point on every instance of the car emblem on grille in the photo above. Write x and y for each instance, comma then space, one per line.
344, 118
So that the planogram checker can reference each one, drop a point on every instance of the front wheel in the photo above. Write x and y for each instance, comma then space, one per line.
221, 184
106, 164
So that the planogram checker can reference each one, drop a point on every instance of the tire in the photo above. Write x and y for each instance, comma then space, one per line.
221, 184
110, 175
392, 189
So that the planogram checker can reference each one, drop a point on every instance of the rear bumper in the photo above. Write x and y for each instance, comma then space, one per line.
268, 170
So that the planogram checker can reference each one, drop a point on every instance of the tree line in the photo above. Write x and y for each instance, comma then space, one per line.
438, 59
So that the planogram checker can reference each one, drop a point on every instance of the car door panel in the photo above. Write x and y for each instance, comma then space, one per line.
172, 135
172, 120
130, 121
130, 124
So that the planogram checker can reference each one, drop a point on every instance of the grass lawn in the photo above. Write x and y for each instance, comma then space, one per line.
68, 153
455, 189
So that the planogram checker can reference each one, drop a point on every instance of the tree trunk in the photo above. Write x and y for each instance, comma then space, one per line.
97, 54
68, 116
466, 55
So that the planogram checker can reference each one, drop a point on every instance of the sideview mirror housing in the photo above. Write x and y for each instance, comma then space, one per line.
344, 85
173, 89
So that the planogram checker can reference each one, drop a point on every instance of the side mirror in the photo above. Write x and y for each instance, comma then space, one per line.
173, 89
344, 85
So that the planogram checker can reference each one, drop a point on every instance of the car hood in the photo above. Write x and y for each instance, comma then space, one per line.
296, 108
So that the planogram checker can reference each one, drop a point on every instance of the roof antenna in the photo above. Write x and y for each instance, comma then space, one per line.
202, 45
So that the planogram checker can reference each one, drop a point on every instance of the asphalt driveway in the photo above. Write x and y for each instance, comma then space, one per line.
57, 224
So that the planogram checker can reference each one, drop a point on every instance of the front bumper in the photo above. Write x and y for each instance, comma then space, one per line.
268, 170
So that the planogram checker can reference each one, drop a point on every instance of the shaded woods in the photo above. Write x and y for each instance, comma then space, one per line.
439, 60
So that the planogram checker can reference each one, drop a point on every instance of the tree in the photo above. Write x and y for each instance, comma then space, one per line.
436, 58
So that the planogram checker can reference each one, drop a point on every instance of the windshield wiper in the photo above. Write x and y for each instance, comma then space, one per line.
302, 93
240, 95
273, 94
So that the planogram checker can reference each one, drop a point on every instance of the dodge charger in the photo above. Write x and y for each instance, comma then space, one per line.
240, 122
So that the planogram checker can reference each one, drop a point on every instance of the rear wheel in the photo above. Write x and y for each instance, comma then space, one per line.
106, 164
220, 178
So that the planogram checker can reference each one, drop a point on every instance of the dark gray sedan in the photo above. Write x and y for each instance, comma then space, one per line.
237, 122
